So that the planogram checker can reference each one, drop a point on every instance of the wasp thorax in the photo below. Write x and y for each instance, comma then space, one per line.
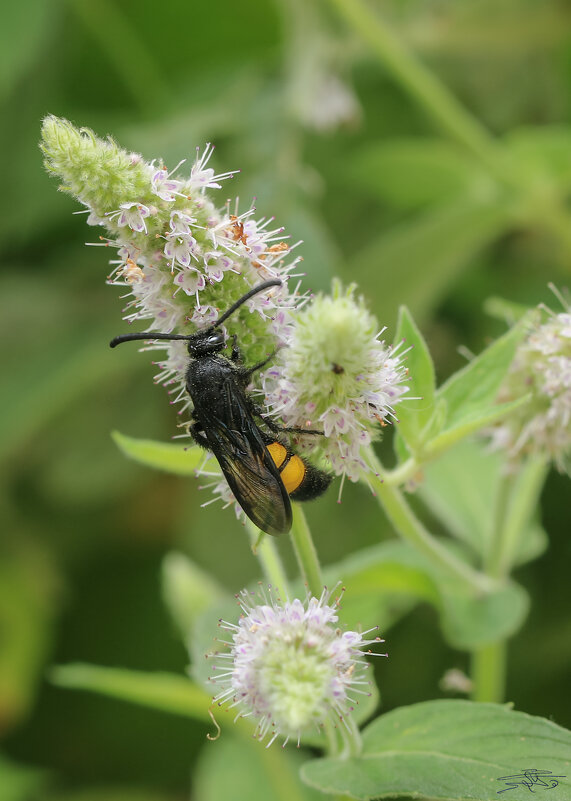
202, 344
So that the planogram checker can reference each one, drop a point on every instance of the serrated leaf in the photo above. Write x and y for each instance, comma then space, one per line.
183, 460
167, 692
414, 414
448, 750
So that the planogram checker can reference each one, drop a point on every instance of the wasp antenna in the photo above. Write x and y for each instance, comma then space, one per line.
254, 291
146, 335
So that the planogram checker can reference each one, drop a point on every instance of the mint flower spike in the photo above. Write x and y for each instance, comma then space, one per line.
541, 368
290, 667
337, 375
182, 260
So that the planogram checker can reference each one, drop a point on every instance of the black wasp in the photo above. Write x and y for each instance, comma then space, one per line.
260, 468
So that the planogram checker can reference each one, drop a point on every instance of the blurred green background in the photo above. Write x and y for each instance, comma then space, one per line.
330, 140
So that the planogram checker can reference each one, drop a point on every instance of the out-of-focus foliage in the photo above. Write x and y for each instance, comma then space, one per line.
330, 141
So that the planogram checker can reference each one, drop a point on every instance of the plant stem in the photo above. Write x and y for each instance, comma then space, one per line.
305, 552
265, 549
517, 499
411, 529
402, 473
489, 672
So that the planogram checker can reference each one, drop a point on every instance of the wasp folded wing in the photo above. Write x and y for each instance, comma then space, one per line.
248, 467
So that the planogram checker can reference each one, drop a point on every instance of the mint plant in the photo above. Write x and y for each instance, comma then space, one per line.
294, 666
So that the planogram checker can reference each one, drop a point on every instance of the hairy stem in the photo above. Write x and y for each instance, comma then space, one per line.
264, 548
305, 552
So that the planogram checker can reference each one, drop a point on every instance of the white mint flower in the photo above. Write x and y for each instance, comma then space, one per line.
133, 215
179, 249
190, 281
290, 667
163, 185
541, 368
338, 376
201, 176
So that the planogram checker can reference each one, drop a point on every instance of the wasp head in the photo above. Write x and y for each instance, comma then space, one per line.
206, 343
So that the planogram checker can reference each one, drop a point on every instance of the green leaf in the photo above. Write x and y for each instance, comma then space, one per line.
187, 591
448, 750
415, 414
476, 385
543, 154
470, 394
107, 793
243, 770
474, 420
167, 692
408, 173
28, 606
461, 488
508, 311
19, 783
468, 623
419, 258
385, 581
183, 460
382, 583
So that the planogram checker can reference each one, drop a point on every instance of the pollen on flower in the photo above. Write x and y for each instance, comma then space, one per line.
289, 666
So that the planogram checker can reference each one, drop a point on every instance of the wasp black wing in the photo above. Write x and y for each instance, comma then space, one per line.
237, 444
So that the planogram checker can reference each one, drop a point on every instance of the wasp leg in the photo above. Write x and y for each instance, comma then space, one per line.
236, 355
277, 429
246, 373
198, 435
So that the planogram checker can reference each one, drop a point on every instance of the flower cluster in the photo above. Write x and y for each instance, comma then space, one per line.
337, 374
180, 258
542, 370
183, 261
290, 667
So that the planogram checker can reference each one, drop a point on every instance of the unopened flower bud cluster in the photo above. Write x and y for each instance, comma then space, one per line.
542, 369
